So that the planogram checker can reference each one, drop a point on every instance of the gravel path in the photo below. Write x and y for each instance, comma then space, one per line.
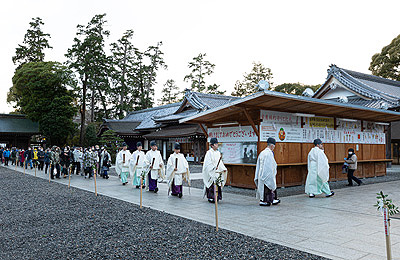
39, 220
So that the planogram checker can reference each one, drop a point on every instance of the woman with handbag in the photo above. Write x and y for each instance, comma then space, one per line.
351, 160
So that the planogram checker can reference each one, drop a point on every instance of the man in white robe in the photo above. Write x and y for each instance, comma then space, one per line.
156, 165
177, 170
265, 175
138, 165
214, 171
318, 172
122, 163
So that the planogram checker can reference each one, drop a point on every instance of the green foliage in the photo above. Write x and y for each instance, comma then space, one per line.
200, 69
134, 75
32, 48
91, 135
111, 141
248, 85
170, 93
294, 88
383, 201
41, 92
387, 63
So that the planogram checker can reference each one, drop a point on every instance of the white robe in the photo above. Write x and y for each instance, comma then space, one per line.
317, 166
265, 172
182, 169
142, 163
121, 166
210, 173
157, 170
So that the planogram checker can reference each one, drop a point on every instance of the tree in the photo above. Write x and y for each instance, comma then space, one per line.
34, 44
248, 85
91, 135
111, 141
387, 63
43, 91
295, 88
170, 93
88, 59
124, 60
200, 69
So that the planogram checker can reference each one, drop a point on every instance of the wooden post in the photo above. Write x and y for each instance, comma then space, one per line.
387, 233
216, 206
35, 169
24, 166
69, 178
50, 172
95, 185
141, 191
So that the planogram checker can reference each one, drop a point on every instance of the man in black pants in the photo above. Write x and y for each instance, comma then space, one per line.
352, 161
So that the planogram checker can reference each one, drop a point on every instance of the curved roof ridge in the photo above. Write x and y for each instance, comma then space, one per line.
154, 108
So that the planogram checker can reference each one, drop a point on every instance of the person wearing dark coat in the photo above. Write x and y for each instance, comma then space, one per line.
65, 161
40, 155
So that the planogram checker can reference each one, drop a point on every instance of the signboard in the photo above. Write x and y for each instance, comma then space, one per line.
319, 122
245, 152
274, 117
233, 134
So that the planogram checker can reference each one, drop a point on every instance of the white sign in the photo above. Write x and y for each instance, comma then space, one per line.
233, 134
279, 118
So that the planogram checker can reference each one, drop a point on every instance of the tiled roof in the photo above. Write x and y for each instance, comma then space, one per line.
176, 117
376, 90
208, 100
17, 124
176, 131
122, 126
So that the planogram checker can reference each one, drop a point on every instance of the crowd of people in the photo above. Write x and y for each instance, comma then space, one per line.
60, 162
147, 169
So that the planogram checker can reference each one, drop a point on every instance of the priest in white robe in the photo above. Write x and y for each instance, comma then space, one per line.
122, 163
177, 170
156, 165
318, 172
138, 166
214, 171
265, 175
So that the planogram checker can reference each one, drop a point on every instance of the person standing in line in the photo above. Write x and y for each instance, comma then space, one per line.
105, 162
47, 155
318, 172
214, 171
138, 165
156, 165
265, 175
55, 162
22, 157
65, 161
28, 158
6, 155
13, 155
35, 157
352, 161
177, 170
41, 158
76, 154
89, 162
122, 163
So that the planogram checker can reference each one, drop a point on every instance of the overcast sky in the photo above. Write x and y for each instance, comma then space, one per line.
298, 40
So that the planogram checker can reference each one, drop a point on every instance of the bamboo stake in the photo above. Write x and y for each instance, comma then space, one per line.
50, 172
69, 178
387, 233
24, 166
141, 191
35, 169
216, 206
95, 185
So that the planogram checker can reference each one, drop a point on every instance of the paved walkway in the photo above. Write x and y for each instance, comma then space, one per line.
345, 226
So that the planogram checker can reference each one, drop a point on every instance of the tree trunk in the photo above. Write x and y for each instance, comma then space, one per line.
83, 111
123, 88
92, 107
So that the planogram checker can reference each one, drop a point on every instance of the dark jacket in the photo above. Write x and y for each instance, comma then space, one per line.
40, 155
47, 157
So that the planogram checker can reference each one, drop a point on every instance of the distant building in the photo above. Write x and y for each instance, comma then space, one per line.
17, 130
357, 88
162, 124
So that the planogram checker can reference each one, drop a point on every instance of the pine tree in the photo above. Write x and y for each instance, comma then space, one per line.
170, 93
248, 85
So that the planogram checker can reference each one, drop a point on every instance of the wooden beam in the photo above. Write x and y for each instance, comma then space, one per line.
204, 130
251, 122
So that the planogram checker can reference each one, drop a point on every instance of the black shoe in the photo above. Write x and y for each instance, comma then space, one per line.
359, 184
211, 200
276, 202
124, 183
137, 186
265, 204
155, 190
180, 195
173, 194
330, 194
143, 186
311, 195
